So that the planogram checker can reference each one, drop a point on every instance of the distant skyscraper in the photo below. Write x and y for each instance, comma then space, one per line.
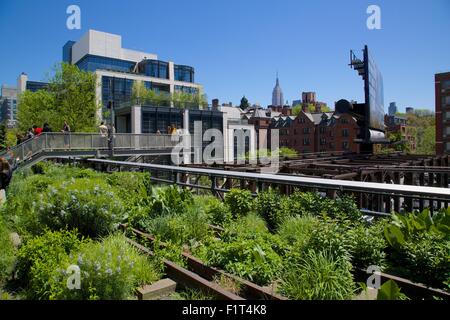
409, 110
392, 108
277, 95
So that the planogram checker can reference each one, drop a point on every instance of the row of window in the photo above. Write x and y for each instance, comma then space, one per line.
185, 89
92, 63
345, 132
150, 68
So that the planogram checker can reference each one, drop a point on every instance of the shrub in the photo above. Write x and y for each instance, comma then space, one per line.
218, 212
39, 258
268, 206
170, 201
7, 252
297, 230
425, 258
251, 259
368, 246
133, 188
23, 194
240, 202
250, 227
110, 269
187, 228
419, 246
304, 203
318, 276
344, 208
84, 204
331, 237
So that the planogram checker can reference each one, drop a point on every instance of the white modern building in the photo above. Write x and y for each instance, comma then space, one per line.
118, 68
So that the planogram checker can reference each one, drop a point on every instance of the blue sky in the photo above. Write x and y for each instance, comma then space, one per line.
237, 46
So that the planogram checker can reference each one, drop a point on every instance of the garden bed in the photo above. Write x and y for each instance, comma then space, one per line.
301, 247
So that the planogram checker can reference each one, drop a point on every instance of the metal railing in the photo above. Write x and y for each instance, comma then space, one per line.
53, 142
382, 189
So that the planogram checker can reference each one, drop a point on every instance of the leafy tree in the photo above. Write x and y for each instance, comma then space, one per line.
70, 96
2, 136
297, 109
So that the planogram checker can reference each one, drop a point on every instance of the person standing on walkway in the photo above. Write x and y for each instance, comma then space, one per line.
103, 129
46, 128
66, 131
37, 130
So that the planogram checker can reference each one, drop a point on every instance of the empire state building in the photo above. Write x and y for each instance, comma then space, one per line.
277, 95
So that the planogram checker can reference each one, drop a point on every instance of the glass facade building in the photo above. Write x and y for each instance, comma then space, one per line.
92, 63
36, 85
67, 51
184, 73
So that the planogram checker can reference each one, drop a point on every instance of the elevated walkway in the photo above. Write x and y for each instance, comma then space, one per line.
52, 145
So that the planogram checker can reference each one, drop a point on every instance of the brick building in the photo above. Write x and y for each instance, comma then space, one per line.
318, 132
442, 95
399, 125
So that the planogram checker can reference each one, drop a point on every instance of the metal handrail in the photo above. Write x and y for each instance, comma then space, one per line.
77, 141
298, 181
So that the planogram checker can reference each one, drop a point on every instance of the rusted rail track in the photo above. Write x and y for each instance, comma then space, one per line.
248, 289
188, 278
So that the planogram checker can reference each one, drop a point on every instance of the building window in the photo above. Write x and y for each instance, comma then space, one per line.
445, 100
301, 120
184, 73
447, 115
447, 131
323, 130
306, 141
344, 121
323, 141
345, 132
345, 145
445, 85
447, 147
306, 130
295, 131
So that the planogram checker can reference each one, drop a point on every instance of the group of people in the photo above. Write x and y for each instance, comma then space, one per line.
36, 131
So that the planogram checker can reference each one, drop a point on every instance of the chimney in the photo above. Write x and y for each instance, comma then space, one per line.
318, 107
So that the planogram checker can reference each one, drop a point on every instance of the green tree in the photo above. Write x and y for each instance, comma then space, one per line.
2, 136
244, 103
70, 97
297, 109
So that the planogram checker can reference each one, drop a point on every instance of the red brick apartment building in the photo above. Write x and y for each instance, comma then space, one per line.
318, 132
397, 124
442, 94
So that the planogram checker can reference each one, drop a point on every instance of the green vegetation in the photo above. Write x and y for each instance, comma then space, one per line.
240, 202
305, 245
180, 100
7, 252
319, 276
70, 97
420, 246
110, 269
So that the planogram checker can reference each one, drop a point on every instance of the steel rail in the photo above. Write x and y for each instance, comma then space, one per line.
435, 193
